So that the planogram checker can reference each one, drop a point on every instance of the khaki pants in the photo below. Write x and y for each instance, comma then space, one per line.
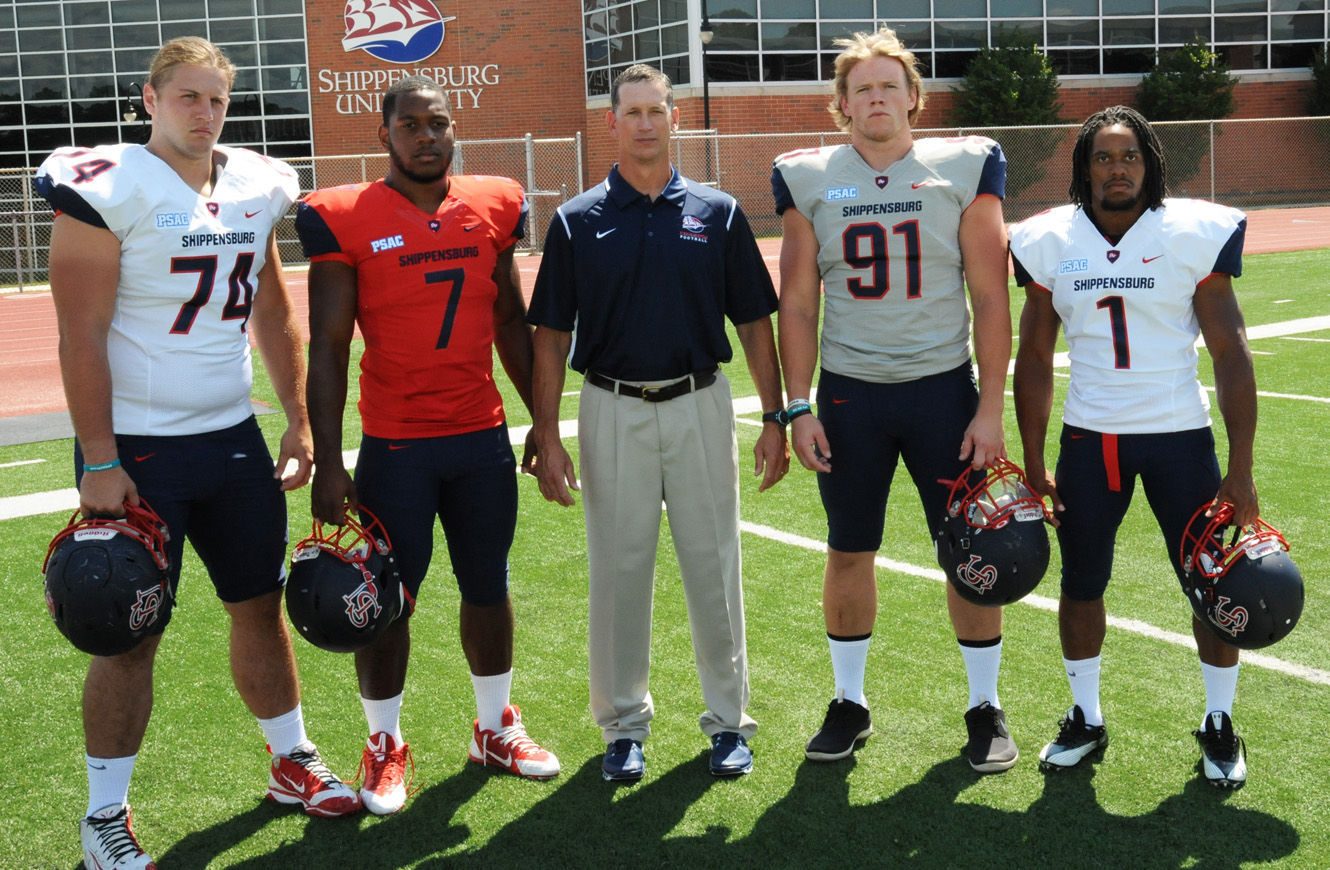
634, 455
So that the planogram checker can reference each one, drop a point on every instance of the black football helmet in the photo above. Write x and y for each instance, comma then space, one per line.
344, 590
107, 581
993, 545
1247, 591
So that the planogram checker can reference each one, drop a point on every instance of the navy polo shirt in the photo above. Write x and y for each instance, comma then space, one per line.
646, 286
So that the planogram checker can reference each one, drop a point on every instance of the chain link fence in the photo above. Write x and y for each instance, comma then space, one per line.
550, 171
1249, 164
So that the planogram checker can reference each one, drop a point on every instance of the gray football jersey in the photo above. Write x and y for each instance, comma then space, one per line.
889, 251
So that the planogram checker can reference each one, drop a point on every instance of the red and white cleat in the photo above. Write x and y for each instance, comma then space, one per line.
512, 749
383, 763
303, 778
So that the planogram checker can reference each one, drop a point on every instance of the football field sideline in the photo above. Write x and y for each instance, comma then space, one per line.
66, 500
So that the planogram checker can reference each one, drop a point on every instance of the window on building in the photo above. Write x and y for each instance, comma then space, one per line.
84, 61
794, 40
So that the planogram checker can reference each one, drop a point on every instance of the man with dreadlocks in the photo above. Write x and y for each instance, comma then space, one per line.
1133, 278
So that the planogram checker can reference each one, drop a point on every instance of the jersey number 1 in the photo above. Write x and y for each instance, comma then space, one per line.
1117, 320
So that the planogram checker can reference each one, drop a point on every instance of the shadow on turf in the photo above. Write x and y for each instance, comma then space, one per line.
928, 823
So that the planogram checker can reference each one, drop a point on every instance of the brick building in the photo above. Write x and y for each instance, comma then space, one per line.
311, 72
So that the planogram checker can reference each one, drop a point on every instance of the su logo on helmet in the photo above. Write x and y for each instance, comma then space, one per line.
343, 590
1245, 589
107, 582
992, 543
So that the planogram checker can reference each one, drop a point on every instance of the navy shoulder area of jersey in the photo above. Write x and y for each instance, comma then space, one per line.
1206, 222
316, 237
804, 166
90, 183
953, 156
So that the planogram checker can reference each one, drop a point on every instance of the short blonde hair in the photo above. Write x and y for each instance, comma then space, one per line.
862, 46
189, 51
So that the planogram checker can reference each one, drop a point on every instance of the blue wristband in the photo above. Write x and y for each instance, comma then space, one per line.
105, 466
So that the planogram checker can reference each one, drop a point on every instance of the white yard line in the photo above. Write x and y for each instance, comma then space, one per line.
1252, 659
64, 500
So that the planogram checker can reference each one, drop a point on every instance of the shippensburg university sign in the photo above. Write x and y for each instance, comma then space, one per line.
405, 33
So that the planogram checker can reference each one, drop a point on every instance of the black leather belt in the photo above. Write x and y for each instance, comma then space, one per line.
696, 381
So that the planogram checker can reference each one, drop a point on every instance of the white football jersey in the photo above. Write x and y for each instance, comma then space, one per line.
189, 264
889, 252
1127, 311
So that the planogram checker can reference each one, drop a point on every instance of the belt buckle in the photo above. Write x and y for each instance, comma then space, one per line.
652, 394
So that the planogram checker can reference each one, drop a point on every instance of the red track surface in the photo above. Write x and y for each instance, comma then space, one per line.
30, 370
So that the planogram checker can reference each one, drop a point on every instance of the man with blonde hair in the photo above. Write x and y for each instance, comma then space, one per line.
894, 230
162, 257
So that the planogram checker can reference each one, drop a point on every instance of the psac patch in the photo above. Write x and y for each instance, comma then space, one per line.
1071, 267
170, 219
835, 194
387, 243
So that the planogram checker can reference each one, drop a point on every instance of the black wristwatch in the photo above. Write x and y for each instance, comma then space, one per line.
784, 416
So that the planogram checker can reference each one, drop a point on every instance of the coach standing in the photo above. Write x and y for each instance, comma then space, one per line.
646, 267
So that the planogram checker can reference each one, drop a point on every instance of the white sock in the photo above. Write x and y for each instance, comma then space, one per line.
384, 715
492, 694
1221, 685
849, 658
108, 781
285, 732
1083, 674
981, 669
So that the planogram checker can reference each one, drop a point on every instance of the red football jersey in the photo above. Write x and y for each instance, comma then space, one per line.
426, 293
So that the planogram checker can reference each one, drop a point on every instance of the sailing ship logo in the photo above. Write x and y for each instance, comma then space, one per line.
396, 31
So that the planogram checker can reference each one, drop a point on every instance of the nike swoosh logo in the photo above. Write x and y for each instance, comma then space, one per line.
603, 233
915, 185
97, 766
250, 214
1151, 259
145, 457
839, 401
398, 446
470, 228
505, 760
1077, 437
298, 788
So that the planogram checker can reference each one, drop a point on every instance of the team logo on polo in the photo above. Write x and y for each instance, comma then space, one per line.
1113, 256
977, 575
362, 605
1231, 620
396, 31
692, 229
145, 607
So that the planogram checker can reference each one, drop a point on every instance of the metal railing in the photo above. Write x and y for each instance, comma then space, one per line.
1248, 163
551, 171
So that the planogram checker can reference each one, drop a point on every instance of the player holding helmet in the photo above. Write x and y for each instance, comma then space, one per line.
895, 229
423, 262
1133, 279
162, 258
